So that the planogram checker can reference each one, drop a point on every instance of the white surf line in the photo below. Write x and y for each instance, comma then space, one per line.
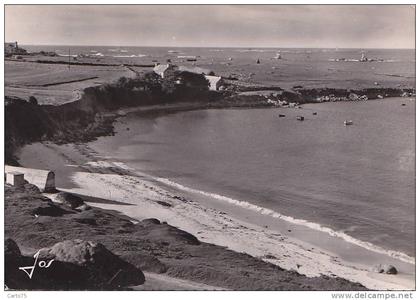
315, 226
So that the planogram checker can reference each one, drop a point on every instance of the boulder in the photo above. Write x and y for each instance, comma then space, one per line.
389, 269
385, 269
69, 200
13, 260
96, 266
84, 207
150, 221
11, 251
48, 209
353, 97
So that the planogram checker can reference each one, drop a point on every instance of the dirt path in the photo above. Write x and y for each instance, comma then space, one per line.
163, 282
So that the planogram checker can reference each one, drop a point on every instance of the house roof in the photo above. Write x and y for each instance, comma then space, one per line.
213, 79
162, 68
197, 70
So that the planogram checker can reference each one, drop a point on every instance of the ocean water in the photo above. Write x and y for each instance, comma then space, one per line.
356, 181
309, 67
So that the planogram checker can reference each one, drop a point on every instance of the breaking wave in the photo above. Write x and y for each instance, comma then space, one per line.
315, 226
128, 56
253, 50
66, 55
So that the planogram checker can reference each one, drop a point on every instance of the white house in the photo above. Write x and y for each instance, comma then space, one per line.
163, 70
215, 82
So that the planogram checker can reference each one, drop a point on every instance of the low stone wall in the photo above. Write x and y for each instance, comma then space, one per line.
43, 179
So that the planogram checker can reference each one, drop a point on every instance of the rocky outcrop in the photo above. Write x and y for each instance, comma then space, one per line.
69, 199
385, 269
69, 265
13, 260
100, 268
149, 245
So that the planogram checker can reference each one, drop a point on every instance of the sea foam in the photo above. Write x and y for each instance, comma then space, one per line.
314, 226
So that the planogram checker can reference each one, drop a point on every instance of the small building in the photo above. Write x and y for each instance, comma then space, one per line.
15, 178
164, 70
215, 82
43, 179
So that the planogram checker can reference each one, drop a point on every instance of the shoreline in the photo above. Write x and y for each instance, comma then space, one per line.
63, 144
348, 255
295, 245
165, 183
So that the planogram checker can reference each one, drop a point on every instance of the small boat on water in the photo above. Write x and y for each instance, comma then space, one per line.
300, 118
315, 113
281, 115
348, 122
403, 104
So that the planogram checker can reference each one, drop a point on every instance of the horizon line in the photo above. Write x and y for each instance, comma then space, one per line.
228, 47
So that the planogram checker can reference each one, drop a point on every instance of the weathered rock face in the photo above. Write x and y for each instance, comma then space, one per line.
69, 200
48, 209
76, 265
150, 221
12, 261
84, 207
385, 269
11, 250
102, 269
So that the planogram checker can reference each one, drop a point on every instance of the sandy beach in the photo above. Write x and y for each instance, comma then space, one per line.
85, 171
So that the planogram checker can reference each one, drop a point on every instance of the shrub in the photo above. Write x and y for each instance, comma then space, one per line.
33, 100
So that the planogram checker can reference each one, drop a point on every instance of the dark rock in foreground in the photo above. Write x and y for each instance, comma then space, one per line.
101, 268
68, 199
386, 269
70, 265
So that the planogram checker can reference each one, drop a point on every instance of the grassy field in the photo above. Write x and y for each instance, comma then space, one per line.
56, 83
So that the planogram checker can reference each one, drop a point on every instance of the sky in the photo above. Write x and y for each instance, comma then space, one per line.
306, 26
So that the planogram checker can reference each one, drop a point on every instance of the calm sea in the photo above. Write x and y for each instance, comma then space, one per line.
309, 67
358, 180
